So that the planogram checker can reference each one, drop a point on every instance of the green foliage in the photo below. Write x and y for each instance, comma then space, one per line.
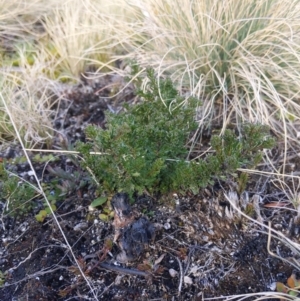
20, 197
17, 194
234, 152
137, 143
144, 148
21, 54
230, 153
98, 201
2, 278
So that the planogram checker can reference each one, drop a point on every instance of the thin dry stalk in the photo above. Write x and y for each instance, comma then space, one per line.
41, 191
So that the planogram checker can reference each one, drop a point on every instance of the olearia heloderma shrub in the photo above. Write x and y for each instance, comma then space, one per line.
144, 148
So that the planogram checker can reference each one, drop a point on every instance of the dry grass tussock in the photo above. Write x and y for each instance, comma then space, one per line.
241, 57
18, 19
51, 41
26, 98
80, 33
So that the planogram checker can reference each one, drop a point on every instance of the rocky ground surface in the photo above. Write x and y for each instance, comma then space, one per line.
201, 247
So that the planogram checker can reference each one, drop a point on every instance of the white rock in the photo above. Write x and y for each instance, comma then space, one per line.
81, 226
187, 280
173, 273
167, 226
272, 286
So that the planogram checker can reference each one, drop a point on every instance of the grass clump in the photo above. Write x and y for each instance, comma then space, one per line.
240, 57
80, 34
26, 99
145, 147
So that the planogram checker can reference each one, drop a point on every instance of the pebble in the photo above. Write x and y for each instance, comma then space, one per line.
187, 280
167, 226
173, 273
81, 226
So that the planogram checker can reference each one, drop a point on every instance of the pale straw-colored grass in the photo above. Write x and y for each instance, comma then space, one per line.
240, 57
30, 112
19, 19
81, 33
74, 35
29, 95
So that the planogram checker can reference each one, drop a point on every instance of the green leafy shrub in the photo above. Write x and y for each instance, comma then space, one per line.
230, 152
137, 144
144, 148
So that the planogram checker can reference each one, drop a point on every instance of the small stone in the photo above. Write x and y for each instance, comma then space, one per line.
167, 226
118, 280
91, 208
272, 286
187, 280
173, 273
81, 226
194, 270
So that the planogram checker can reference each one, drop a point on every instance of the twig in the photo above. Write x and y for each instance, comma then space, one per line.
122, 270
181, 276
42, 192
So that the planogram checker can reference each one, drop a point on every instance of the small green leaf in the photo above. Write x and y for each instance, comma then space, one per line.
40, 217
106, 210
104, 217
48, 209
98, 201
2, 278
293, 293
51, 197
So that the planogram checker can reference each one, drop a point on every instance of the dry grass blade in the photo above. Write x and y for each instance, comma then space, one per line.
41, 191
19, 19
29, 97
294, 247
255, 296
242, 57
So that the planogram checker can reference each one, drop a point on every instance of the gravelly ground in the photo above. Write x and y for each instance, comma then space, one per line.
198, 251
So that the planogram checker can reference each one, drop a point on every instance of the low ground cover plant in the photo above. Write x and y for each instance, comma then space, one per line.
17, 194
145, 148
